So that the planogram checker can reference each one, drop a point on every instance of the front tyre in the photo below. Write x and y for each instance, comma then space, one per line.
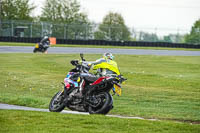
44, 50
104, 104
34, 50
56, 104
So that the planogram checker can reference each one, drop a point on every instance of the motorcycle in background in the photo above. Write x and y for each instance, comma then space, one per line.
42, 46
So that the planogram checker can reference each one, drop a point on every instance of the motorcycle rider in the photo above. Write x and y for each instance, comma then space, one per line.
104, 66
45, 42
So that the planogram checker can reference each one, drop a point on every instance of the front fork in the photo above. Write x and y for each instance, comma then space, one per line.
65, 101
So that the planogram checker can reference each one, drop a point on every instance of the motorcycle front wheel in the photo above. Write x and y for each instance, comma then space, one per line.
56, 104
104, 104
35, 50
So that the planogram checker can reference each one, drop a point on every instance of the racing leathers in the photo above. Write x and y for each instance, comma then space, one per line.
104, 68
45, 42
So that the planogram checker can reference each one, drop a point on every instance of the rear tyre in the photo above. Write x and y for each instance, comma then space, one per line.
104, 105
56, 104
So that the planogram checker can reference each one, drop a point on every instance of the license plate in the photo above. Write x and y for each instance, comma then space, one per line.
37, 46
117, 89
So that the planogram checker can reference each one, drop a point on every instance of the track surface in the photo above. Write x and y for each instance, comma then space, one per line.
70, 50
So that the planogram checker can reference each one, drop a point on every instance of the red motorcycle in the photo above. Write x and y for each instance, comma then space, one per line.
95, 95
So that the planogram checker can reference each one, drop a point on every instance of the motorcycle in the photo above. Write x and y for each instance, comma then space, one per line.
40, 48
96, 97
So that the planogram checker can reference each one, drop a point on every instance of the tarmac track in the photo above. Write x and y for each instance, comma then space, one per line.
73, 50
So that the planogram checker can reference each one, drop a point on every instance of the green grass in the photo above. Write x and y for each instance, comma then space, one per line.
162, 87
42, 122
98, 46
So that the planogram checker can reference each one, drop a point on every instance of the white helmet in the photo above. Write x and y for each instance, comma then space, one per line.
108, 56
45, 37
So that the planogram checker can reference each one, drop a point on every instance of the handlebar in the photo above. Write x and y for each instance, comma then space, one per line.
74, 62
81, 55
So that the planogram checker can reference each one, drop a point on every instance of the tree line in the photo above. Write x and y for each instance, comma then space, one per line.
69, 12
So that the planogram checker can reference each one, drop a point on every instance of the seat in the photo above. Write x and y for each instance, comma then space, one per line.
89, 77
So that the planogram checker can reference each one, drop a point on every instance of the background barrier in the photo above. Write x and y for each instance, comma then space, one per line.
103, 42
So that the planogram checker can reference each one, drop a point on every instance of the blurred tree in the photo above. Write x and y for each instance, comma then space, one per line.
143, 36
16, 10
113, 28
76, 23
67, 11
194, 36
167, 39
174, 38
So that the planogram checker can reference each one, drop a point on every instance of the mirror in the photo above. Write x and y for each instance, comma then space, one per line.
81, 55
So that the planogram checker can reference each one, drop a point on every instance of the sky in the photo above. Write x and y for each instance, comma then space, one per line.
154, 16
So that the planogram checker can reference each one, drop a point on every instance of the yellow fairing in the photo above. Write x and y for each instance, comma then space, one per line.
110, 65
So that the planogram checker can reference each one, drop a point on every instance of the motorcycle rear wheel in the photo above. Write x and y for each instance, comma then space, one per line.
104, 105
56, 104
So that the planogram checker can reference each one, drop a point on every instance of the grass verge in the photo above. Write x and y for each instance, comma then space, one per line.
43, 122
162, 87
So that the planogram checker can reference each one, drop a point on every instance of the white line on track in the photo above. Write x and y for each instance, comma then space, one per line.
16, 107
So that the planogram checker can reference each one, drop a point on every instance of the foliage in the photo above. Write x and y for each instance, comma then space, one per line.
113, 28
16, 10
174, 38
65, 11
143, 36
152, 37
194, 36
68, 20
167, 39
